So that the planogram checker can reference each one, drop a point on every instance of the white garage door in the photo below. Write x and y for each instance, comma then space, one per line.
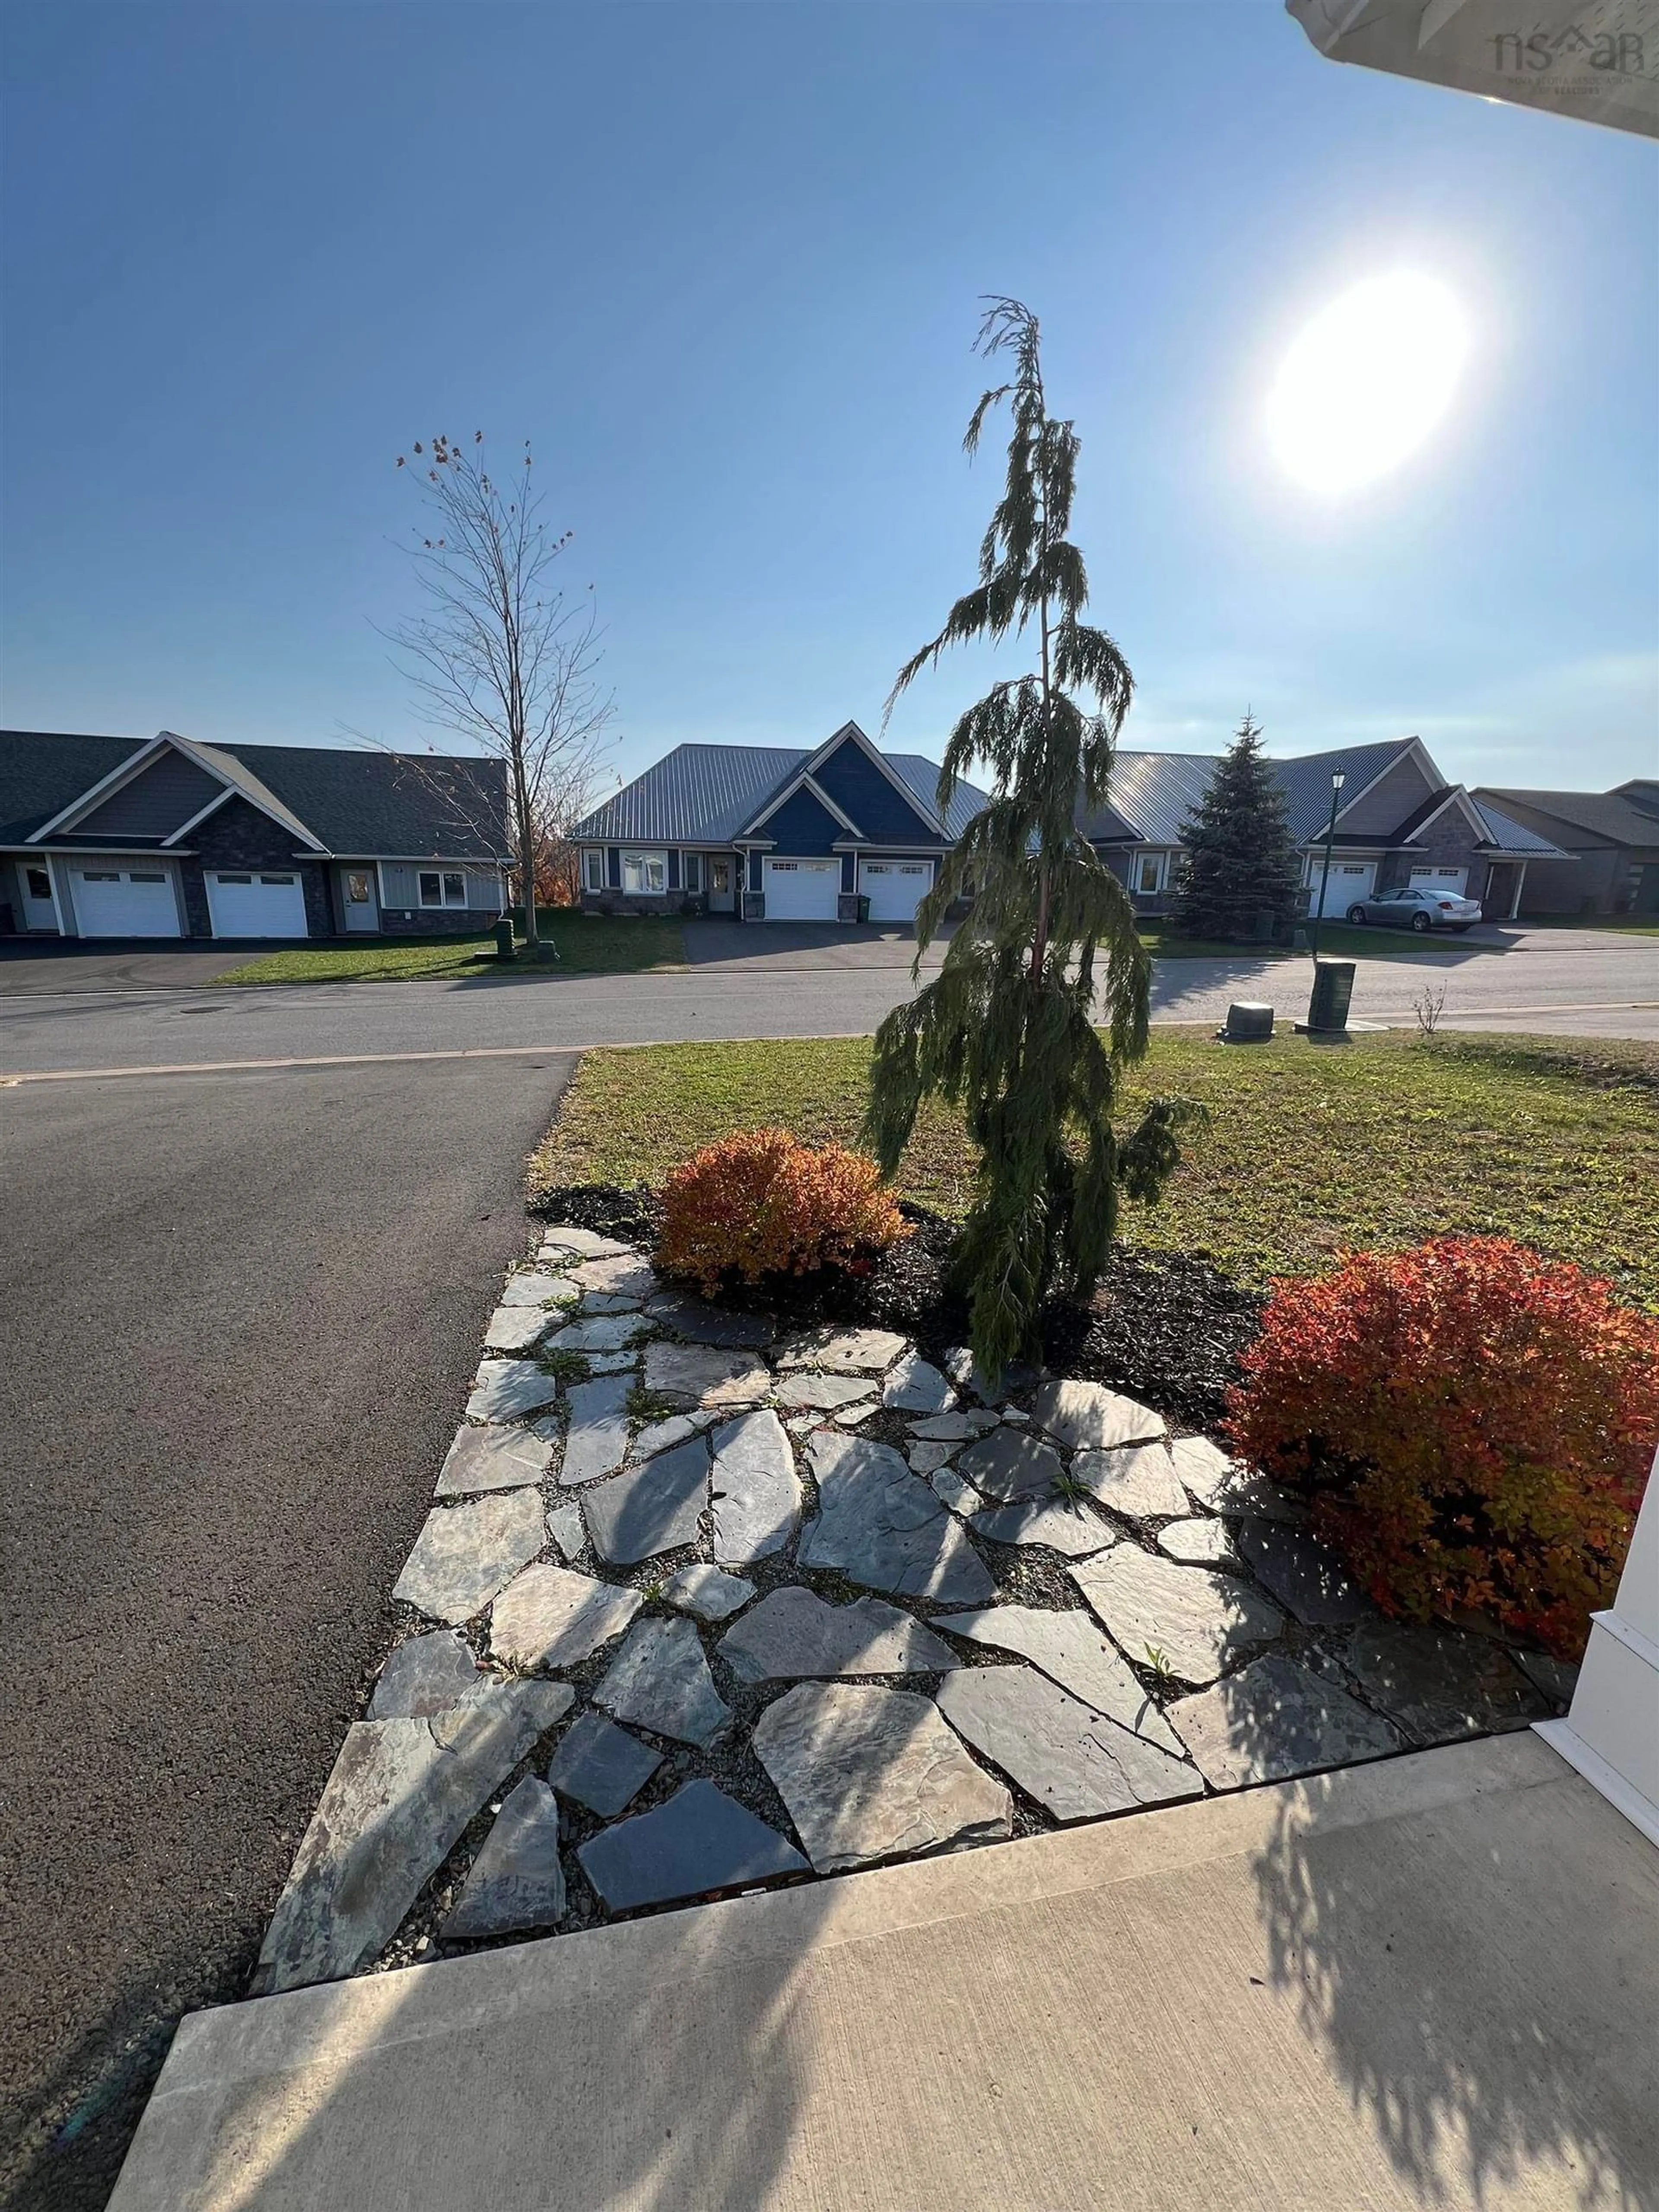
801, 890
1350, 880
112, 900
267, 903
896, 888
1440, 879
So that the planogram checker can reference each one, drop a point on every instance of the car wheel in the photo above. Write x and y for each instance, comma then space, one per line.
1421, 924
1356, 916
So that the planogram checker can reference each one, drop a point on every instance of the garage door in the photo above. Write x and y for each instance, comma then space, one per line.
896, 888
123, 901
266, 903
1440, 879
801, 890
1350, 880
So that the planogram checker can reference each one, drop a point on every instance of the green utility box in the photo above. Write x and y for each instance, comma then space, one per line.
504, 939
1333, 993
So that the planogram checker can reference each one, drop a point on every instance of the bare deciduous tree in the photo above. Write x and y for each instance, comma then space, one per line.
502, 656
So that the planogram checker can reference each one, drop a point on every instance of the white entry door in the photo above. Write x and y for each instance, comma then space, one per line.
1350, 880
115, 899
896, 888
801, 890
256, 902
363, 909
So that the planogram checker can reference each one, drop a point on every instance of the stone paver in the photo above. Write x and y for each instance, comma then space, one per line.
926, 1459
568, 1530
1138, 1481
493, 1459
1071, 1648
612, 1332
623, 1273
600, 1766
654, 1507
535, 1286
607, 1302
1273, 1719
1247, 1497
845, 1351
508, 1389
1066, 1527
1073, 1760
1440, 1685
596, 1442
660, 1680
515, 1329
699, 1842
1009, 1465
1203, 1466
705, 1592
953, 1428
1089, 1415
792, 1634
704, 1375
882, 1526
704, 1324
553, 1617
1196, 1620
913, 1385
1306, 1576
823, 1392
465, 1553
948, 1487
1198, 1543
427, 1674
660, 1435
870, 1774
757, 1492
391, 1811
516, 1880
561, 1237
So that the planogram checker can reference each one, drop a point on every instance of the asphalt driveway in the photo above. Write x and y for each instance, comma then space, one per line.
239, 1313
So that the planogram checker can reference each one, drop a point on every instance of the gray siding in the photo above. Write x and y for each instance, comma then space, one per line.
171, 791
401, 882
1398, 794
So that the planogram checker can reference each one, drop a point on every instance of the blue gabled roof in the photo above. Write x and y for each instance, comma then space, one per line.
705, 794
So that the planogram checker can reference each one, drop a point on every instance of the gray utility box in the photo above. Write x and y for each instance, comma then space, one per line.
1333, 993
504, 938
1249, 1022
852, 905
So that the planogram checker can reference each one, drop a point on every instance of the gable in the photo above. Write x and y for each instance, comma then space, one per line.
802, 824
160, 799
1396, 795
858, 787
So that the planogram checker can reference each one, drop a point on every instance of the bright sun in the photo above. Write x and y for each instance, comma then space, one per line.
1366, 382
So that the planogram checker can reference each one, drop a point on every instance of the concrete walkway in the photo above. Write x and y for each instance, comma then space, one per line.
1429, 1981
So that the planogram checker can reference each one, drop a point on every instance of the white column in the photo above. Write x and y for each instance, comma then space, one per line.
1612, 1734
1520, 879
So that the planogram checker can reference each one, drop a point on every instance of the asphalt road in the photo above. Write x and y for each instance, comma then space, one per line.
240, 1315
1594, 983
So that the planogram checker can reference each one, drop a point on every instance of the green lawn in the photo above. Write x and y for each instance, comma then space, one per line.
1380, 1142
1632, 925
588, 944
1337, 941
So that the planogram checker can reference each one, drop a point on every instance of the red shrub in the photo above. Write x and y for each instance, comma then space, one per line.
762, 1203
1473, 1423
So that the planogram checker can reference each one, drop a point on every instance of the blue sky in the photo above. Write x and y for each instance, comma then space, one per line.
721, 264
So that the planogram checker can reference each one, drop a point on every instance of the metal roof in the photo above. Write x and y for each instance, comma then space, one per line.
1608, 815
1515, 837
1152, 794
704, 794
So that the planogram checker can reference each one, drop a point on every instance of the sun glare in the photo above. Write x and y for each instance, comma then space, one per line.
1366, 382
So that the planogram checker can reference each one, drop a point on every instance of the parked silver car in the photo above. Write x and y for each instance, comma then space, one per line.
1417, 907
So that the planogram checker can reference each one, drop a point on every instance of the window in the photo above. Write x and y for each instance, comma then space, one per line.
357, 888
594, 864
645, 874
223, 878
100, 876
146, 876
40, 884
1149, 872
693, 871
275, 879
442, 887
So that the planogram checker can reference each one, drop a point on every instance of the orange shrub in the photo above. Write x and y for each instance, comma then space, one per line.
762, 1203
1473, 1425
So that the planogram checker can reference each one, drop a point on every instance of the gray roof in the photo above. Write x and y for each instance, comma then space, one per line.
361, 803
1515, 837
704, 794
1152, 794
1607, 817
42, 771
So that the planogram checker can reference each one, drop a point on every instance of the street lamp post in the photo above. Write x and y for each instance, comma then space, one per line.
1337, 781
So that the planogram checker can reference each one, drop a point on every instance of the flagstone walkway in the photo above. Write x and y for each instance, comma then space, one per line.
701, 1606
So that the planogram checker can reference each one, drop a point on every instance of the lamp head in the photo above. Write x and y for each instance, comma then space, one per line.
1338, 779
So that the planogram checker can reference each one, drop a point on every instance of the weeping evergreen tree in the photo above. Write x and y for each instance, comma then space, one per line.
1241, 859
1006, 1029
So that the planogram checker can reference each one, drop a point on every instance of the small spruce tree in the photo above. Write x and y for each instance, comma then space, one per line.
1241, 859
1006, 1029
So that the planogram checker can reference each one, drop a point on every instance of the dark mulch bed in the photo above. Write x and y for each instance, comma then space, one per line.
1169, 1328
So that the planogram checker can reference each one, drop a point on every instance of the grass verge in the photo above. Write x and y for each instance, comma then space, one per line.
1337, 941
587, 944
1378, 1142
